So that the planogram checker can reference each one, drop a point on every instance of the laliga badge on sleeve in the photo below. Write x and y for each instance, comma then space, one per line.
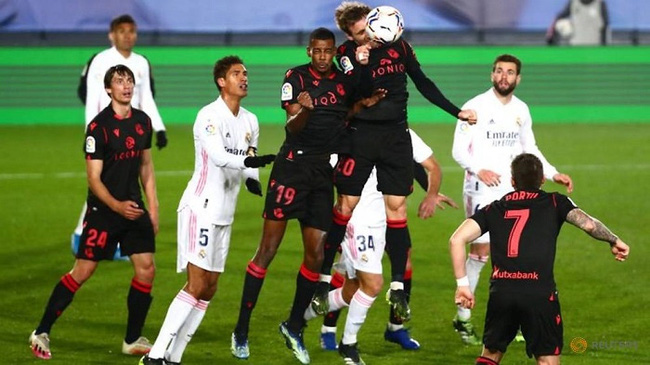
346, 65
287, 92
210, 129
90, 144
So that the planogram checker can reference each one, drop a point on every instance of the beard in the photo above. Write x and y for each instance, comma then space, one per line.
504, 92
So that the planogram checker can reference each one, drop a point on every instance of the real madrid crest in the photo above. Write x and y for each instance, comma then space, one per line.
518, 121
248, 137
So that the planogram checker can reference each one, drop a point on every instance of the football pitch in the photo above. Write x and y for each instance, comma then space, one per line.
43, 186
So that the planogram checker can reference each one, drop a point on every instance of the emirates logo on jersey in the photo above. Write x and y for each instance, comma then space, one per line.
130, 142
138, 129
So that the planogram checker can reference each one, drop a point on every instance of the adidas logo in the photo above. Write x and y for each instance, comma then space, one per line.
227, 134
491, 121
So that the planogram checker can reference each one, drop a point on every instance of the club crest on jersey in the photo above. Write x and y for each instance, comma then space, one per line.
518, 121
248, 137
90, 144
393, 53
346, 64
130, 142
287, 92
210, 129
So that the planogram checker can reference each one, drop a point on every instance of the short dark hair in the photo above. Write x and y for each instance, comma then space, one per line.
507, 58
348, 13
322, 34
120, 70
527, 172
124, 18
222, 66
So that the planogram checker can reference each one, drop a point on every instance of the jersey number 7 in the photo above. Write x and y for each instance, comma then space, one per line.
521, 217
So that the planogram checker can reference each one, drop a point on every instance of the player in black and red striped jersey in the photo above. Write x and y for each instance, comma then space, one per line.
118, 160
380, 139
523, 227
317, 99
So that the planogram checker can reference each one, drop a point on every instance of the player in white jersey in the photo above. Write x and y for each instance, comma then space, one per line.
485, 150
225, 142
123, 35
362, 251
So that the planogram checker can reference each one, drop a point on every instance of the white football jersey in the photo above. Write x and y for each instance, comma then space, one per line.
96, 97
370, 211
501, 133
221, 143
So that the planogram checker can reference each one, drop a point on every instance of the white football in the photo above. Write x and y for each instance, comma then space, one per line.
564, 27
384, 24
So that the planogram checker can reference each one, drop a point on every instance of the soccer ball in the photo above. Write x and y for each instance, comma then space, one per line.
384, 24
564, 27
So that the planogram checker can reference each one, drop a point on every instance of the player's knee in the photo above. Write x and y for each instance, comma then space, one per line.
146, 272
345, 204
373, 287
480, 249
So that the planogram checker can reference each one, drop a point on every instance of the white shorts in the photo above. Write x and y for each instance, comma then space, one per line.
476, 195
200, 242
362, 249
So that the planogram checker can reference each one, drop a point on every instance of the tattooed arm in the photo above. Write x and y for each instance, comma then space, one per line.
599, 231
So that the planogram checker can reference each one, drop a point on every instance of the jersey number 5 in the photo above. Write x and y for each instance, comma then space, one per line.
521, 217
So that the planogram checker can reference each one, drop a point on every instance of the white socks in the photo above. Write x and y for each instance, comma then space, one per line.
335, 300
177, 313
178, 345
473, 267
357, 312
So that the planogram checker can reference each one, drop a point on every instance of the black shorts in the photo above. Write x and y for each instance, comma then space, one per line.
386, 147
103, 229
301, 188
538, 315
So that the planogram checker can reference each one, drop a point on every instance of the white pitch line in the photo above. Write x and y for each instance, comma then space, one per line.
172, 173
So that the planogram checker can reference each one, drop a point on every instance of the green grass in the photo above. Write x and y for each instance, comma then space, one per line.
602, 300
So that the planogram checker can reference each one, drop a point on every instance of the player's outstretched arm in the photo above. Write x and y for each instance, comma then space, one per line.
434, 199
599, 231
468, 115
564, 179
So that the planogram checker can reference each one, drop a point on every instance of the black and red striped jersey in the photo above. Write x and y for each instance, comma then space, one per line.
523, 227
119, 143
